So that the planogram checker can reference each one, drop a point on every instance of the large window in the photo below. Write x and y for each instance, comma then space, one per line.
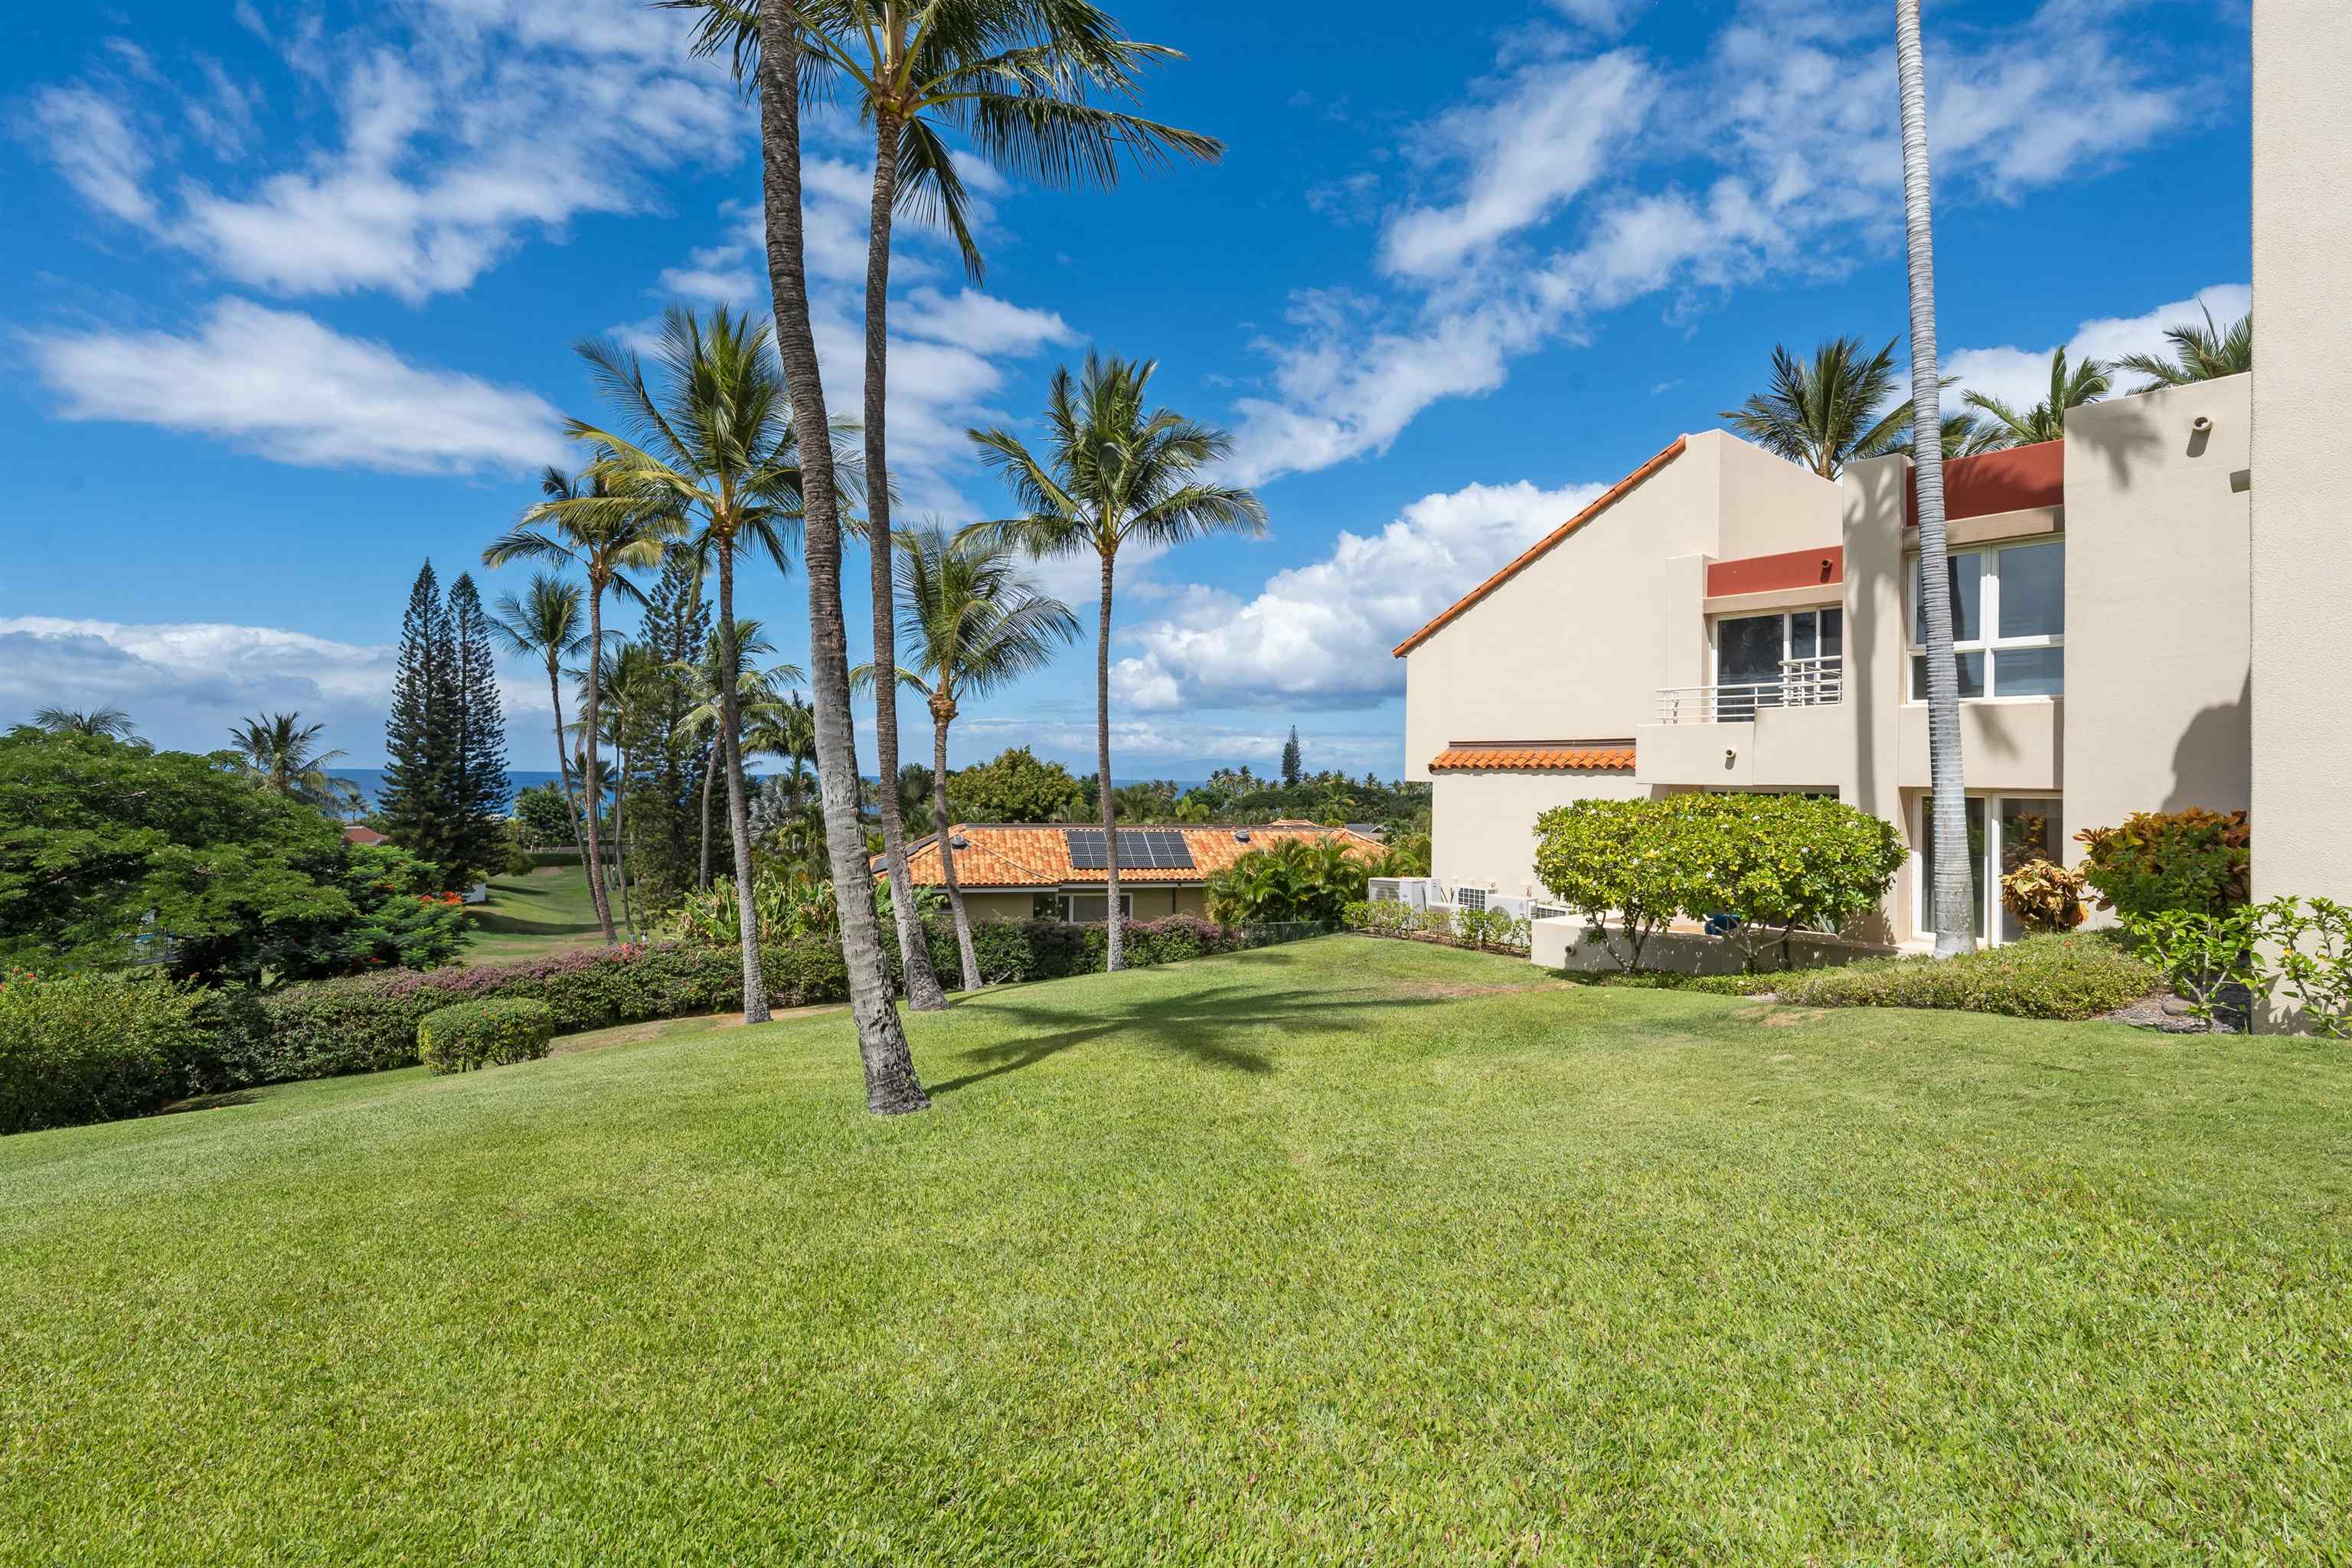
1093, 909
2009, 621
1751, 655
2027, 829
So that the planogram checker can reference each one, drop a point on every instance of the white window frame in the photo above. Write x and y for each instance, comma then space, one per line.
1788, 633
1125, 905
1988, 613
1923, 896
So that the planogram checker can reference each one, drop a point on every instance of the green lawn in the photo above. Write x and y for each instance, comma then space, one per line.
1373, 1252
545, 912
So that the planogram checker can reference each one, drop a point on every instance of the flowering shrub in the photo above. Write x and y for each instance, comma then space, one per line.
90, 1048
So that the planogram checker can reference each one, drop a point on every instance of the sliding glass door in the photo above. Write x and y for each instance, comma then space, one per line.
2024, 827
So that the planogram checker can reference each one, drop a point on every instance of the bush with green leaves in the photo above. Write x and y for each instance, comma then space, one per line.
91, 1047
544, 818
2080, 975
485, 1034
1294, 879
2206, 956
2310, 941
2297, 950
1620, 859
2044, 895
1779, 864
2196, 860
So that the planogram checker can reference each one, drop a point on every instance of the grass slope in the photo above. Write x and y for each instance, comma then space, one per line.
548, 911
1388, 1253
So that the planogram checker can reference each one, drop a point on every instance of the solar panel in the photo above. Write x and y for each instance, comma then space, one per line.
1143, 849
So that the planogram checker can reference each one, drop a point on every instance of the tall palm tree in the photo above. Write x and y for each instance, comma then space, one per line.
757, 703
1954, 923
631, 686
766, 42
969, 625
2004, 426
1836, 410
1114, 472
607, 535
2199, 353
715, 449
111, 724
549, 622
1012, 78
282, 754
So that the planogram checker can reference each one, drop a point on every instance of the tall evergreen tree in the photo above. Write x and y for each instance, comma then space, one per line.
1292, 768
669, 757
483, 793
421, 808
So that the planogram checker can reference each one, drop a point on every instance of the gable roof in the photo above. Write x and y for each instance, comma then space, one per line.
1533, 552
1037, 855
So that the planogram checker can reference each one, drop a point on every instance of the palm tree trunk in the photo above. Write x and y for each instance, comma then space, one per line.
620, 841
739, 819
891, 1085
596, 892
923, 992
563, 772
1114, 927
942, 823
709, 771
1952, 877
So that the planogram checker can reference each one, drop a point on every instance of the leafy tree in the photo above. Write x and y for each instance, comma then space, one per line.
484, 793
112, 723
1614, 859
1291, 768
282, 754
673, 758
2199, 353
1012, 78
607, 535
549, 622
768, 46
2004, 426
971, 624
1116, 471
547, 815
1779, 862
1295, 879
1830, 413
420, 806
1014, 786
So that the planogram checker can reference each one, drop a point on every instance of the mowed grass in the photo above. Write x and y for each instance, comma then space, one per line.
548, 911
1345, 1251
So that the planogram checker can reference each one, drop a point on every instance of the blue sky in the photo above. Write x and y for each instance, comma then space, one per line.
289, 291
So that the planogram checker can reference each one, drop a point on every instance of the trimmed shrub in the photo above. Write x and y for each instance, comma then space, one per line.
484, 1034
2044, 895
2197, 861
2075, 976
91, 1047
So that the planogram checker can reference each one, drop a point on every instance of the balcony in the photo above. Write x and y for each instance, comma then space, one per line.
1803, 683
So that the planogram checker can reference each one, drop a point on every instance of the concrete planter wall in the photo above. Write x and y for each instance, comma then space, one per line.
1561, 943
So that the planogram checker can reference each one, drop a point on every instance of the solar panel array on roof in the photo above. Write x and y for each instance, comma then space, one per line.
1141, 848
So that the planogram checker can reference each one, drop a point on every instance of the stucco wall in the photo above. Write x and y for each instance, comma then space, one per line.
2301, 574
1486, 823
1149, 903
2159, 687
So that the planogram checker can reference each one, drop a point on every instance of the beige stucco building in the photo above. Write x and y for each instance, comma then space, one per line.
1725, 620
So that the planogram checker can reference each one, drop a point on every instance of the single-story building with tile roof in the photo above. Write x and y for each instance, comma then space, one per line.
358, 835
1024, 870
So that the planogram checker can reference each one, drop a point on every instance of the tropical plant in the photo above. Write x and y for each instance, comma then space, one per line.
2160, 860
633, 682
1294, 879
971, 624
2211, 958
282, 753
786, 905
1952, 892
2312, 967
767, 45
1012, 78
112, 723
756, 702
1117, 471
548, 622
1830, 413
2199, 353
1014, 785
2044, 895
2047, 420
607, 534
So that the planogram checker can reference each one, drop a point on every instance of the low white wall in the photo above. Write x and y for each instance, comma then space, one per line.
1561, 943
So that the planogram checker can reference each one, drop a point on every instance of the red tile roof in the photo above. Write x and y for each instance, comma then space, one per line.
1535, 756
1528, 556
357, 835
1036, 855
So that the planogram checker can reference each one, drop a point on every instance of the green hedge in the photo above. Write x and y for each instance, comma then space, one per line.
2078, 975
485, 1034
91, 1047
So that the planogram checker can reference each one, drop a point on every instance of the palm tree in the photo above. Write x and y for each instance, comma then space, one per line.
109, 723
756, 702
1114, 472
1011, 78
281, 753
1830, 413
631, 688
607, 535
766, 42
2199, 353
549, 622
1955, 925
715, 449
2046, 421
969, 625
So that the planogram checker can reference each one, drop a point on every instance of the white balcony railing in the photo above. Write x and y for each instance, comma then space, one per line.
1803, 683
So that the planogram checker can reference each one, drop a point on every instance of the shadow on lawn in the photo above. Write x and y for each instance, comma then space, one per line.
515, 925
1196, 1025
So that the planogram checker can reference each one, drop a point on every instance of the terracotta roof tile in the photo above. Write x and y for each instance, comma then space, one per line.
1036, 855
1530, 756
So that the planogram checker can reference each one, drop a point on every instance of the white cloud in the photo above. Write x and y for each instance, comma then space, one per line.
280, 384
1322, 632
2020, 377
90, 140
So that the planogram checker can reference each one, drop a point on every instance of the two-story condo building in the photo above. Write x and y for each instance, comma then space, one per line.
1722, 620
